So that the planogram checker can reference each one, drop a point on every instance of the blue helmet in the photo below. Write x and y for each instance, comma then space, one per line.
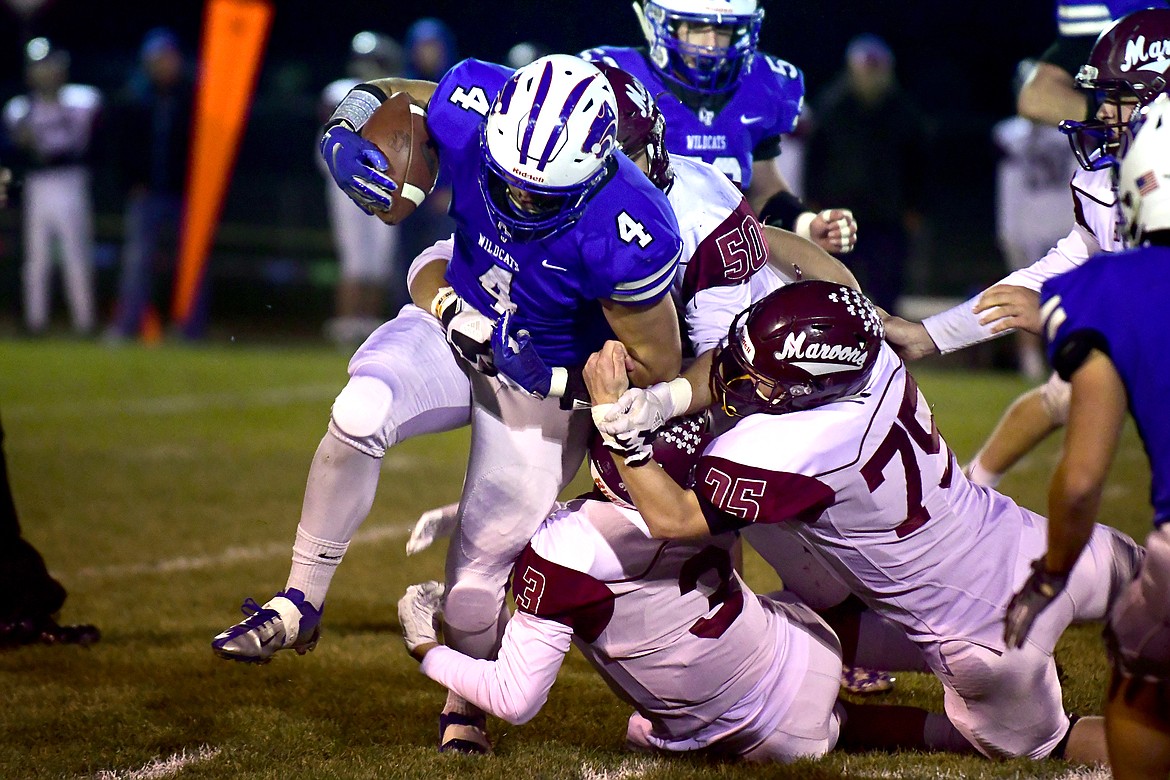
703, 68
547, 146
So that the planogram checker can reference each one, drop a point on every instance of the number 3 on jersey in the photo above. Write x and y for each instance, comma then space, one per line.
630, 230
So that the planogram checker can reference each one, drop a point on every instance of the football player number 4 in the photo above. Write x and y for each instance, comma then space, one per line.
474, 99
497, 282
905, 435
631, 230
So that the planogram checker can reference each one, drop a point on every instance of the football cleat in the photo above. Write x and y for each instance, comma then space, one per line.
862, 682
285, 622
465, 734
44, 630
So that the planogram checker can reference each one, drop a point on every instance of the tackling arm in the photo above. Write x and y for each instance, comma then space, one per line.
1049, 96
514, 686
653, 347
1096, 416
670, 511
798, 257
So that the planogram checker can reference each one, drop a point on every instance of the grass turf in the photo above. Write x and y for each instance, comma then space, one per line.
164, 485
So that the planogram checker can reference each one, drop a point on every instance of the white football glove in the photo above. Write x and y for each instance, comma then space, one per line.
634, 447
433, 524
468, 332
418, 612
645, 410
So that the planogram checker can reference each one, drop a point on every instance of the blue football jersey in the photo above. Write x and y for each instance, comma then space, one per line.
1117, 303
624, 247
765, 105
1076, 18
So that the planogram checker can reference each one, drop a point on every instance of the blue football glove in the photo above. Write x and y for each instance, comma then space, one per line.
517, 360
357, 165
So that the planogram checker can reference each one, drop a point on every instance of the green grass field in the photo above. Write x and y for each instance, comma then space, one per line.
164, 485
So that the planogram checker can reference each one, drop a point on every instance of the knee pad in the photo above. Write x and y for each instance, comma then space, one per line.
472, 606
359, 415
1056, 395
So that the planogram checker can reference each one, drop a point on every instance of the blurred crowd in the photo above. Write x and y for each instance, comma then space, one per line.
60, 134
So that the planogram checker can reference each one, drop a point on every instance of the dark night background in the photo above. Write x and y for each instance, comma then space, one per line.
956, 59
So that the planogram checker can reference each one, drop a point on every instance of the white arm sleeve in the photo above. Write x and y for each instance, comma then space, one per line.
440, 250
710, 312
959, 327
514, 686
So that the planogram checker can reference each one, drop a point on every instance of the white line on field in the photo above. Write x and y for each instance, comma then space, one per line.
175, 404
161, 767
228, 556
912, 770
627, 770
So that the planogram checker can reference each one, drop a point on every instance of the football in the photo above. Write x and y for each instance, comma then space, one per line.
399, 129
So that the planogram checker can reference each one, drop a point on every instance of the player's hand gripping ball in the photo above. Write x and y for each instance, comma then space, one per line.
399, 129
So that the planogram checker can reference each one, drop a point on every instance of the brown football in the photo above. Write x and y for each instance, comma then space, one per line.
399, 129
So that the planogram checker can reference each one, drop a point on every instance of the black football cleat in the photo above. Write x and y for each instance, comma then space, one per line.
45, 630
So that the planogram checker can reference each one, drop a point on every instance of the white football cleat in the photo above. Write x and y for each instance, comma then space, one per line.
431, 525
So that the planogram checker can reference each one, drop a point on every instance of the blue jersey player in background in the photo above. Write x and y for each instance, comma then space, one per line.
561, 243
727, 104
1108, 333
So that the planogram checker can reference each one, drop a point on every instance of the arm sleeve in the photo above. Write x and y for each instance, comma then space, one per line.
515, 686
710, 312
959, 327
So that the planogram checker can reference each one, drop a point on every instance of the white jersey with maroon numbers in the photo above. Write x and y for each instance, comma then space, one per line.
670, 626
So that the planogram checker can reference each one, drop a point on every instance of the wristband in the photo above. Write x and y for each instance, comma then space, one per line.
803, 225
560, 381
356, 108
442, 301
681, 394
782, 210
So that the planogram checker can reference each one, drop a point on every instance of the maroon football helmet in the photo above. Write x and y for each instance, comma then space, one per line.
804, 345
641, 126
677, 448
1126, 64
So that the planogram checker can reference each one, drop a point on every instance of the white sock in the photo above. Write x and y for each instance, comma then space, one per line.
981, 476
314, 562
456, 703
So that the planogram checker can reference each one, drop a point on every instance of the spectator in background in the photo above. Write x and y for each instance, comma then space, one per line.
367, 249
1031, 203
153, 141
868, 149
29, 596
1049, 95
430, 52
525, 52
50, 129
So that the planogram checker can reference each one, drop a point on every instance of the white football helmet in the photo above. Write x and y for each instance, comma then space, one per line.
708, 69
548, 138
1144, 178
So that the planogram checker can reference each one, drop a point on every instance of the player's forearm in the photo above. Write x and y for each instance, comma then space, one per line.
514, 686
1049, 96
427, 273
698, 375
651, 337
670, 511
800, 258
420, 91
1073, 501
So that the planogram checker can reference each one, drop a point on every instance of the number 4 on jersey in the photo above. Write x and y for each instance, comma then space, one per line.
630, 230
474, 99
